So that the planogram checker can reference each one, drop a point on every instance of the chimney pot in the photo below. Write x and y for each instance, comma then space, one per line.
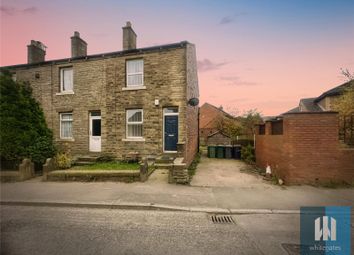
78, 46
36, 52
129, 37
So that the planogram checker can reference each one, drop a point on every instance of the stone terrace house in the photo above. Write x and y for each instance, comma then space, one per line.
117, 103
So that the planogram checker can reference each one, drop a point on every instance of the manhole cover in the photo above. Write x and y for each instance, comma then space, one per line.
222, 219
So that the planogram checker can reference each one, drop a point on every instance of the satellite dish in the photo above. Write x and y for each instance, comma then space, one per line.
193, 101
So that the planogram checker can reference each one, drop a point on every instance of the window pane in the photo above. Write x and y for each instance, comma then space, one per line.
135, 66
66, 116
135, 115
135, 79
171, 110
135, 130
67, 79
96, 127
66, 129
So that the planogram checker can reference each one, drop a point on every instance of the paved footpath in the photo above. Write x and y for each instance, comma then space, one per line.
156, 194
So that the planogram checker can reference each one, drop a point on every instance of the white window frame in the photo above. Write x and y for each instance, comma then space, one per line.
134, 123
66, 120
62, 80
127, 74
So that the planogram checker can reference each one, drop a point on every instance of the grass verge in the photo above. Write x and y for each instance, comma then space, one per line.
109, 166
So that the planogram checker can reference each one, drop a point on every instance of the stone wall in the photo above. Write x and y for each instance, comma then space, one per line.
308, 151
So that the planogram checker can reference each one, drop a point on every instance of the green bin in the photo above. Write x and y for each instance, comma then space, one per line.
220, 151
211, 151
228, 151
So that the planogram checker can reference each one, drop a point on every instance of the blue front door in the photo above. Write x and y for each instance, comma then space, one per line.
171, 133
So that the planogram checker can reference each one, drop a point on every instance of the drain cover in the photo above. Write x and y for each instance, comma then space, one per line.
222, 219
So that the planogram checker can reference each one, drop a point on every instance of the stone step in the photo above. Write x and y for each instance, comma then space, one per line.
87, 158
84, 163
163, 165
164, 160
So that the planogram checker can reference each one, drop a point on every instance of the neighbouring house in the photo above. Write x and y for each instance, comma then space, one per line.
322, 103
303, 145
131, 101
209, 121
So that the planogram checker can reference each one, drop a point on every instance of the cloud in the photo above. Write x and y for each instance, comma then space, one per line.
231, 18
236, 81
10, 11
30, 10
208, 65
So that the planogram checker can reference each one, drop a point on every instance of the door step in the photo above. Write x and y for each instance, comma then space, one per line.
86, 160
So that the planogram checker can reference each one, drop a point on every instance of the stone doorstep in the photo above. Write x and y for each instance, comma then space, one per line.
163, 166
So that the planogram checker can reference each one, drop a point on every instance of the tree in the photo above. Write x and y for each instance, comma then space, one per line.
230, 127
240, 126
344, 104
249, 119
23, 130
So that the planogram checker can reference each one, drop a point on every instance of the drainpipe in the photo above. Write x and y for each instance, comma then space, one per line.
198, 128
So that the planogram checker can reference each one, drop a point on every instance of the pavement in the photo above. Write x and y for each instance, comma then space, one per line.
218, 187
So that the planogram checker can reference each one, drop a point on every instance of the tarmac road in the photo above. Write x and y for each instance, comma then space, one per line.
63, 230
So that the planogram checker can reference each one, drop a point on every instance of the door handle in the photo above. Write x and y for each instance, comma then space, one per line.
171, 135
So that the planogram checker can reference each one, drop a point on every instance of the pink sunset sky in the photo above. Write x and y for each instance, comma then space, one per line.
251, 54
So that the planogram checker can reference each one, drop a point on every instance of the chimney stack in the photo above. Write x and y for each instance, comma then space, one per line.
35, 52
78, 46
129, 37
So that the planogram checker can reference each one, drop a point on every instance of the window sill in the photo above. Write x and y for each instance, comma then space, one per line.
134, 88
65, 93
65, 140
133, 139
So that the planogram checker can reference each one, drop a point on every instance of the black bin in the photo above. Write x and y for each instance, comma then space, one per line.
228, 151
237, 152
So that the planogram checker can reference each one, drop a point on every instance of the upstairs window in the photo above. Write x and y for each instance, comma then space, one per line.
66, 79
135, 72
66, 125
135, 123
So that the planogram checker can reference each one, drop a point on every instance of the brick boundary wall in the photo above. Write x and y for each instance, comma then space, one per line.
308, 151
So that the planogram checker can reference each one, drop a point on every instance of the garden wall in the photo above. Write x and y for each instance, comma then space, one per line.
306, 149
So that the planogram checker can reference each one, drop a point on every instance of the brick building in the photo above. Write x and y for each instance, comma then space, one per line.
304, 145
209, 120
134, 100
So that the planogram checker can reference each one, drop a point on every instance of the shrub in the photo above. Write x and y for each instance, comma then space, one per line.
63, 160
247, 154
23, 130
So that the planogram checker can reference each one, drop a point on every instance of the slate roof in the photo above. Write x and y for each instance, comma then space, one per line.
103, 55
309, 105
335, 91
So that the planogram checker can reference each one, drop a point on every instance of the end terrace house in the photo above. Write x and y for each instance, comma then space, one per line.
137, 100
